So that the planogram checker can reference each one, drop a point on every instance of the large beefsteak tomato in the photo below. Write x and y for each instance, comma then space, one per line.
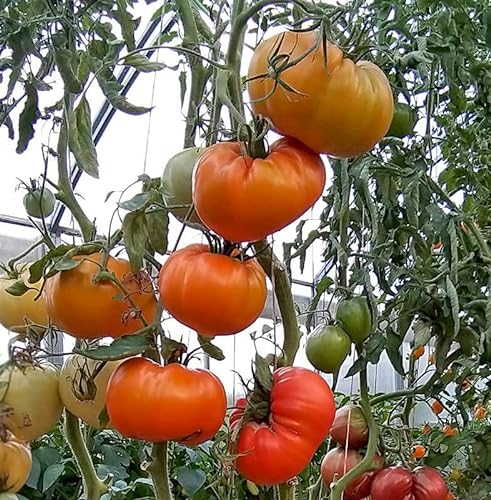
246, 199
165, 403
325, 100
212, 293
15, 463
338, 463
350, 425
398, 483
278, 448
85, 309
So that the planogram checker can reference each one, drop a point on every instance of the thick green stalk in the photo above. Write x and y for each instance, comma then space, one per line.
159, 472
367, 462
286, 492
94, 487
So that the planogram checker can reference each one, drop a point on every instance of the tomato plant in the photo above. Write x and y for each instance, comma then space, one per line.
15, 463
30, 399
83, 384
339, 107
327, 347
212, 293
277, 447
337, 463
355, 318
350, 426
84, 308
166, 403
17, 310
246, 199
177, 184
398, 483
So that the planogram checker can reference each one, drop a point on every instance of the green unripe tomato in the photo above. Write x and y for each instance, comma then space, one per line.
355, 318
327, 347
39, 202
403, 120
177, 184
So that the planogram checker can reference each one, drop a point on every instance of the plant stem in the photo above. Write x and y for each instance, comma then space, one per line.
286, 492
160, 474
282, 288
94, 487
367, 462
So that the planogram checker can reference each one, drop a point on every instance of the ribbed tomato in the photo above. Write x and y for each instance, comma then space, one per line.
337, 463
337, 106
212, 293
278, 448
350, 425
85, 309
247, 199
165, 403
398, 483
15, 463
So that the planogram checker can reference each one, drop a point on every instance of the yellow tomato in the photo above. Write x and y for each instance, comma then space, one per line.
15, 464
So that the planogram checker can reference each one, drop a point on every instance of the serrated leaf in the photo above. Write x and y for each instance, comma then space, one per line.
135, 236
28, 118
18, 288
127, 23
143, 63
374, 347
51, 475
158, 230
212, 350
140, 200
356, 367
80, 139
121, 348
36, 269
263, 373
191, 480
65, 60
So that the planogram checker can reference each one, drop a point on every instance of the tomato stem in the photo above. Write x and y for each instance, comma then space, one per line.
159, 472
94, 487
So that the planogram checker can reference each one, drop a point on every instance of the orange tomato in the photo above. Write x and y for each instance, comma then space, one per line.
212, 293
418, 451
15, 463
418, 352
431, 359
450, 496
466, 384
437, 407
426, 429
337, 107
165, 403
480, 412
247, 199
449, 431
85, 309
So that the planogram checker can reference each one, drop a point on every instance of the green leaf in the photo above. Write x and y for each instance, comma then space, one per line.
356, 367
263, 373
121, 348
80, 139
393, 351
143, 63
18, 288
320, 289
183, 85
65, 264
28, 118
36, 270
158, 230
51, 475
422, 333
66, 60
487, 26
190, 479
34, 476
127, 23
138, 201
47, 455
374, 347
212, 350
135, 236
103, 417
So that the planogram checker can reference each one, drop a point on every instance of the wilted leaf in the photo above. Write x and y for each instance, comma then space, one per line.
263, 373
65, 59
212, 350
135, 236
158, 230
143, 63
28, 118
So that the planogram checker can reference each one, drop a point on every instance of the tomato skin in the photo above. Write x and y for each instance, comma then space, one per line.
327, 347
33, 396
15, 463
355, 318
398, 483
350, 416
338, 463
87, 310
39, 203
276, 450
341, 108
177, 184
212, 293
82, 394
246, 199
14, 309
165, 403
403, 120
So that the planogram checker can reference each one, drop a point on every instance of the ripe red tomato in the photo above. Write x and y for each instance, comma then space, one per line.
350, 426
212, 293
278, 448
398, 483
246, 199
338, 107
165, 403
85, 309
338, 463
